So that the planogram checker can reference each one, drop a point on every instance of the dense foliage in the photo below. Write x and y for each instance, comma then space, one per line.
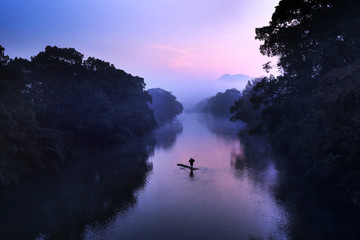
220, 104
164, 105
56, 106
312, 110
244, 110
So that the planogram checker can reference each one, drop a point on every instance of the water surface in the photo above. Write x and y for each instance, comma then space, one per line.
138, 192
227, 198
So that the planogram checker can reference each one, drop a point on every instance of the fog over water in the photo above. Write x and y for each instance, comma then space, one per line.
190, 92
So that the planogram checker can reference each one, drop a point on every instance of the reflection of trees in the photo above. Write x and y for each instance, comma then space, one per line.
87, 192
167, 134
319, 211
254, 152
253, 159
61, 204
316, 211
221, 126
238, 159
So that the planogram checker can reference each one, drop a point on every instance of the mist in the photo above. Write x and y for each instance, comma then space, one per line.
191, 91
182, 119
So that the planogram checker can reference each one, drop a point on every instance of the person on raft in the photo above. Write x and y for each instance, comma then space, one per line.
191, 161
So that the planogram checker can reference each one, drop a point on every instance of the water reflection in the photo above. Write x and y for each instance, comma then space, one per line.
217, 201
191, 174
248, 153
58, 206
139, 192
307, 211
253, 164
220, 126
63, 203
167, 134
319, 211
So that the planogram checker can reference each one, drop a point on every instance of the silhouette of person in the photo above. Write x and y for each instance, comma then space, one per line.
191, 161
191, 173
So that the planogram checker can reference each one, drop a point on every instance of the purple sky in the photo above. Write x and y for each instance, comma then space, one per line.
178, 45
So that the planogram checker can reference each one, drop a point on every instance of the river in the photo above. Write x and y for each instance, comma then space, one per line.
140, 193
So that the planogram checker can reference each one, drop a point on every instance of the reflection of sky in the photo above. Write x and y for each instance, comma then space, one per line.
169, 43
215, 204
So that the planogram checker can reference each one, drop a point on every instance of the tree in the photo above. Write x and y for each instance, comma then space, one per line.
311, 37
24, 144
310, 110
220, 104
3, 58
57, 107
243, 109
164, 105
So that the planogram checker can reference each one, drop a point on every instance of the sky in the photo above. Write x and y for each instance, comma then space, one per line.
183, 46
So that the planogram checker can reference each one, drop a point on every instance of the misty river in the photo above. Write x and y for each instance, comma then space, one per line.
139, 192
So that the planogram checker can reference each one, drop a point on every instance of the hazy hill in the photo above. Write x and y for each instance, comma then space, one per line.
220, 104
164, 104
234, 78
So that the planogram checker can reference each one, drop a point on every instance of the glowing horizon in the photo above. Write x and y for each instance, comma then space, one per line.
161, 41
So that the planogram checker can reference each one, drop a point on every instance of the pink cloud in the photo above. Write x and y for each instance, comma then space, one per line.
174, 56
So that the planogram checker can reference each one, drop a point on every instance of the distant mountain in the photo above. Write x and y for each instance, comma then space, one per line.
234, 78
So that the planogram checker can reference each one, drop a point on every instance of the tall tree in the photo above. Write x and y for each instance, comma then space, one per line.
164, 104
57, 106
310, 110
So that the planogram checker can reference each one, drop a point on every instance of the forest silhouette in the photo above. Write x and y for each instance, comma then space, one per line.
58, 106
311, 111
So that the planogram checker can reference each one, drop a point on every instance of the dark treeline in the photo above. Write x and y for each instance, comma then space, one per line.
311, 111
164, 105
89, 192
62, 203
58, 105
243, 108
219, 105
